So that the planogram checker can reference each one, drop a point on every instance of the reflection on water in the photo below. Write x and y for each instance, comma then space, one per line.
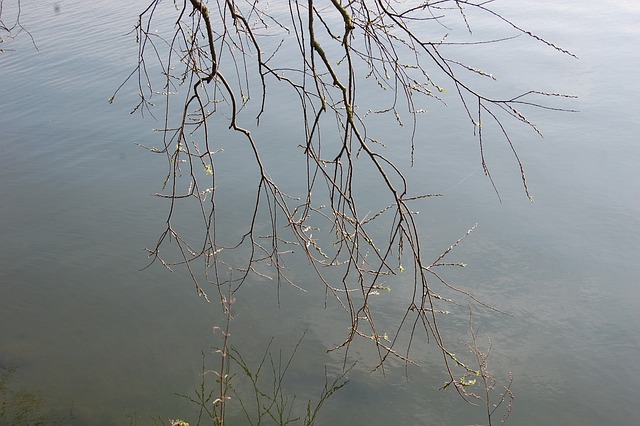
75, 212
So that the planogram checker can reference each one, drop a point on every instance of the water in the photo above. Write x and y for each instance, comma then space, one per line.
92, 333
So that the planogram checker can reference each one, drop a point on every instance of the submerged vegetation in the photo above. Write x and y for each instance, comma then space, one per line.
20, 407
259, 391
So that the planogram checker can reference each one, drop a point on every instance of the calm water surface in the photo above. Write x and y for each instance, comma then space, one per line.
91, 332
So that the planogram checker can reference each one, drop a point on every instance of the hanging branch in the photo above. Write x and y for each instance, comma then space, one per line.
220, 52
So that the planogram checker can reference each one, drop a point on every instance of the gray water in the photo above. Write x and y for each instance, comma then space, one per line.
92, 333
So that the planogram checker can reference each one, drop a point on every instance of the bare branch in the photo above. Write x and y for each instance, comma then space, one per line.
220, 52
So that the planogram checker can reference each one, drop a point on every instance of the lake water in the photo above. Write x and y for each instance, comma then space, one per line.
92, 333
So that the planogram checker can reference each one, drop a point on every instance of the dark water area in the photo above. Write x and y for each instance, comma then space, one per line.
91, 332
